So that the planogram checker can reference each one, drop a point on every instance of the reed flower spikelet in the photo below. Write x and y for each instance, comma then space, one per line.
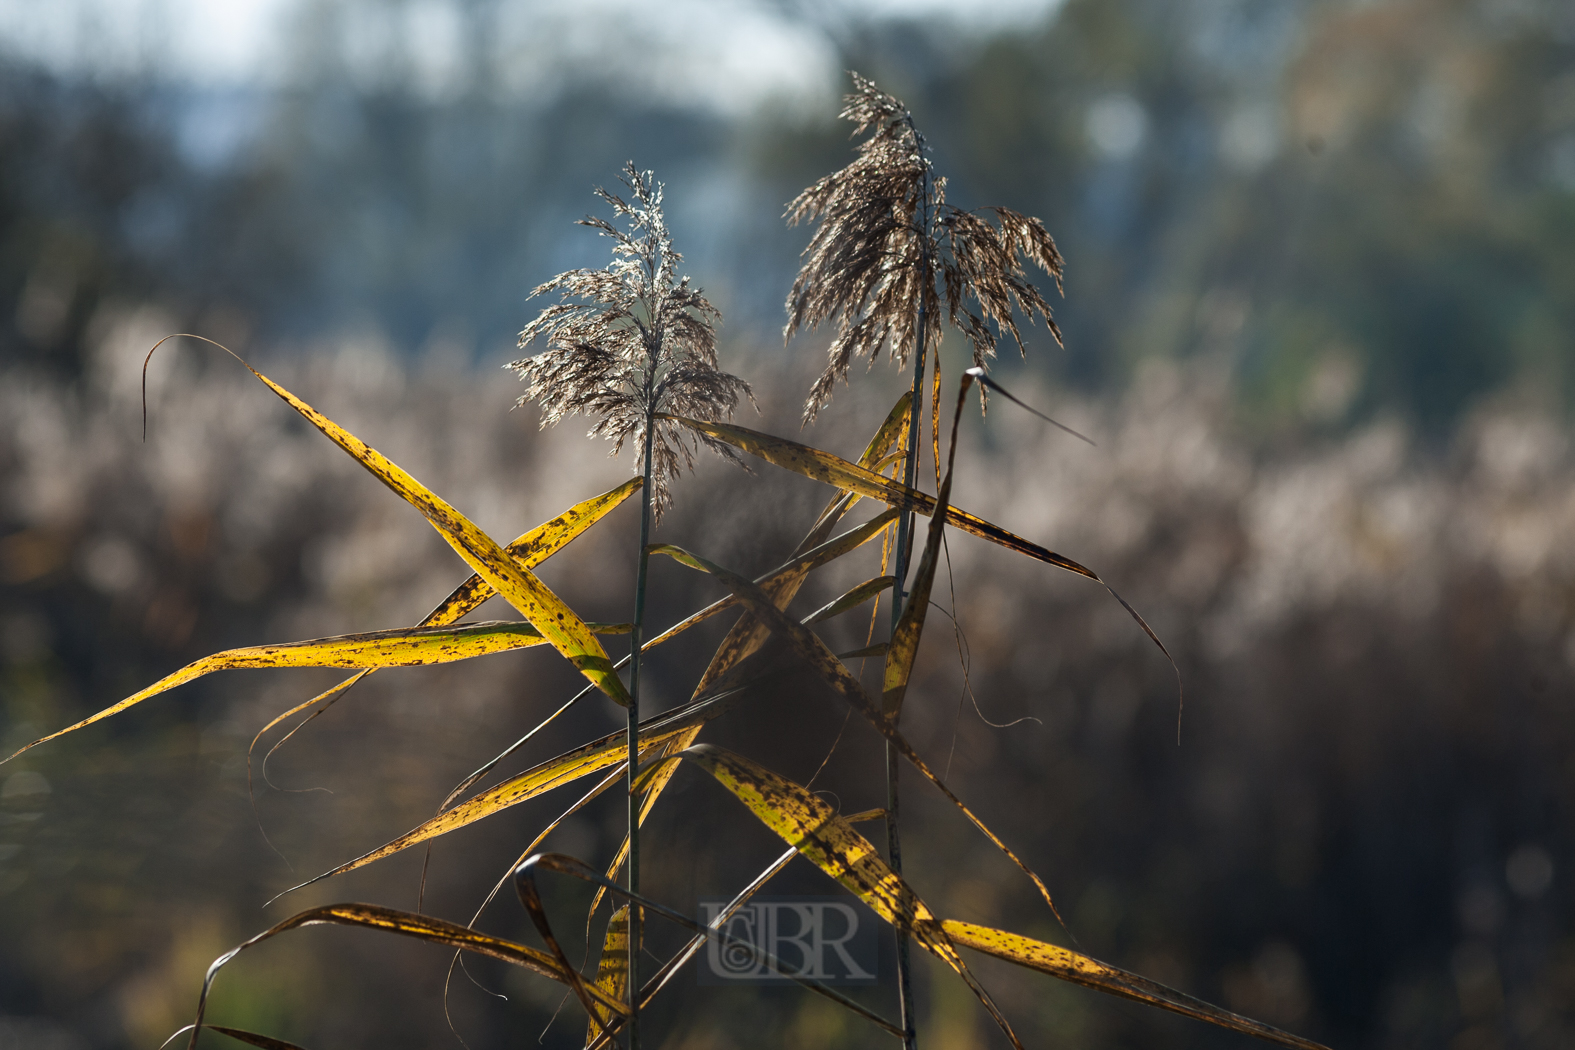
631, 341
886, 233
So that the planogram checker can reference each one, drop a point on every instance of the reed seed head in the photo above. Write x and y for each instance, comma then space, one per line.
631, 341
885, 234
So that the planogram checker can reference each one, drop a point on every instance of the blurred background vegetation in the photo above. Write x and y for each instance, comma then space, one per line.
1318, 305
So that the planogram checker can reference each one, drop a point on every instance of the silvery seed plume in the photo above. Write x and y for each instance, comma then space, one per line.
632, 340
886, 232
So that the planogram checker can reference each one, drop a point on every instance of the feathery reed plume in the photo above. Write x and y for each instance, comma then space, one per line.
886, 234
630, 341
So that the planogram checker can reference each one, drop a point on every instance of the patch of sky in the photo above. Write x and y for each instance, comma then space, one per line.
213, 126
1243, 38
726, 56
1116, 124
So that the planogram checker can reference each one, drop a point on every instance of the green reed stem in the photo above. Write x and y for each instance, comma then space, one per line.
910, 472
633, 739
893, 760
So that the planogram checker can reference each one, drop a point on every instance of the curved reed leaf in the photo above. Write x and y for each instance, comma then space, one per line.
834, 470
910, 626
404, 924
519, 587
267, 1042
533, 548
810, 825
406, 647
529, 550
852, 599
610, 750
612, 970
1080, 969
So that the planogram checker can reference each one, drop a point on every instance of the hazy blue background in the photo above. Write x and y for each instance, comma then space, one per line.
1318, 308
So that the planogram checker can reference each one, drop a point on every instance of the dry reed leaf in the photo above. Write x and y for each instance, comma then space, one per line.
851, 599
405, 647
559, 624
598, 755
404, 924
910, 626
1080, 969
834, 470
519, 587
267, 1042
426, 644
529, 549
810, 825
612, 970
533, 548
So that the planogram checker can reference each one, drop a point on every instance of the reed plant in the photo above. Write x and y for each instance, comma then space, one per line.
633, 346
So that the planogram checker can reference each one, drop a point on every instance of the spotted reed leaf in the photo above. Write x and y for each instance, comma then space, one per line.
403, 924
1091, 973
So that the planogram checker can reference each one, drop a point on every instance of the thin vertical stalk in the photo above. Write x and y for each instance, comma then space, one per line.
633, 738
904, 543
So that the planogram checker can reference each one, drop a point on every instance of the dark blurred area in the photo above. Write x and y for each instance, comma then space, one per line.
1317, 316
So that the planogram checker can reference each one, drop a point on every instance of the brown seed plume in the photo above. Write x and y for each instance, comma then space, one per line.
886, 234
631, 340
